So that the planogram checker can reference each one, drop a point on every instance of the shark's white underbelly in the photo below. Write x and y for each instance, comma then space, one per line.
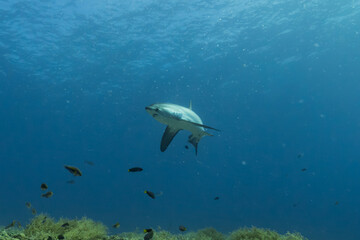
182, 118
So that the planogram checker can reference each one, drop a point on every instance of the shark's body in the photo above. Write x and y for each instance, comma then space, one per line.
178, 118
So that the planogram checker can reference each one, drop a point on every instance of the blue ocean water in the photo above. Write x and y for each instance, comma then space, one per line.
279, 78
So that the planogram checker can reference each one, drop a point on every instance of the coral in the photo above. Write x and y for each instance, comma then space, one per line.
262, 234
43, 227
293, 236
165, 235
209, 234
127, 236
12, 235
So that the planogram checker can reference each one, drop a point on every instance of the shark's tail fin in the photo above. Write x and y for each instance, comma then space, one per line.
207, 134
194, 140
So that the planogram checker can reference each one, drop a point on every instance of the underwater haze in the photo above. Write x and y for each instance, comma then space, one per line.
279, 78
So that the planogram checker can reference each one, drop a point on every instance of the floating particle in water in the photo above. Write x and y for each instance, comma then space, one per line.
216, 198
89, 163
300, 155
28, 205
304, 169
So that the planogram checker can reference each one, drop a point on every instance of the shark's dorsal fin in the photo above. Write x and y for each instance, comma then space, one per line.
190, 105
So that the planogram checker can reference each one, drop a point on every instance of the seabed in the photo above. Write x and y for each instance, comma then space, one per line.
43, 227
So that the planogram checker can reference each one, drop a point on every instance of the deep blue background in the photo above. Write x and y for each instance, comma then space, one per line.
279, 78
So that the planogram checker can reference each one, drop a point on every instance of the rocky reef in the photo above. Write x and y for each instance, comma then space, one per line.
43, 227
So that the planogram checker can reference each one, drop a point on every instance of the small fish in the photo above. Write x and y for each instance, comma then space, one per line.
337, 203
70, 181
216, 198
300, 155
73, 170
304, 169
116, 225
149, 234
47, 195
135, 169
11, 224
44, 186
33, 211
28, 205
150, 194
61, 236
89, 163
186, 147
182, 228
147, 230
65, 225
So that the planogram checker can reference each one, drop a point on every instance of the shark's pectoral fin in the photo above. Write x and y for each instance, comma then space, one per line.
168, 136
200, 125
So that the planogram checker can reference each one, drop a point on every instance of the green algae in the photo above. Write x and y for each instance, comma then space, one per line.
209, 234
43, 227
262, 234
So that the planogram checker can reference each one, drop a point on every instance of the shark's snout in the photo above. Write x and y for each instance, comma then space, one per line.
151, 110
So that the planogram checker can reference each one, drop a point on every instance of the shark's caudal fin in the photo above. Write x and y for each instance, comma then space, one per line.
195, 140
168, 136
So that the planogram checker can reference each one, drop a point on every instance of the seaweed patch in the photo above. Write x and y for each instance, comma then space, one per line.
87, 229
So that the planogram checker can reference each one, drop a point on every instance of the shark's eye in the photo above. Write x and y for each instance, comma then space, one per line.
156, 109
